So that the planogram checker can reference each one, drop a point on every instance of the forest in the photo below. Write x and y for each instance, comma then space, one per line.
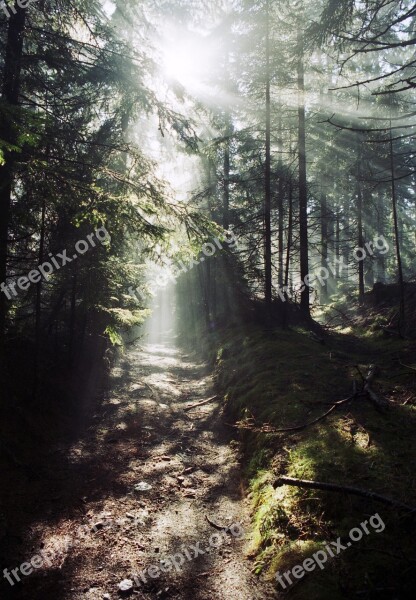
207, 299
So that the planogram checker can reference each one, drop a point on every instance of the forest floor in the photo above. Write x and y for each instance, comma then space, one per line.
287, 380
151, 457
142, 479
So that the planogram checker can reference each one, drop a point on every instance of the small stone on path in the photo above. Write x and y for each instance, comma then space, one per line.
126, 586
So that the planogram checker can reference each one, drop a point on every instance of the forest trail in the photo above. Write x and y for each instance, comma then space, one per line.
143, 434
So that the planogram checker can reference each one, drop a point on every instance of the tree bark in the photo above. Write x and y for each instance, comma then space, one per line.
226, 197
361, 287
38, 307
324, 239
280, 199
9, 133
268, 187
381, 261
402, 316
303, 190
337, 245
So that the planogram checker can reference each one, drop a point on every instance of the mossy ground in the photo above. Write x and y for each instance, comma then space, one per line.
286, 379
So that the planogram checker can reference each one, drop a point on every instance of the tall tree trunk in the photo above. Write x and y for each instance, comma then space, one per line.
303, 190
226, 194
9, 133
381, 260
361, 287
402, 315
38, 307
268, 186
289, 234
73, 316
213, 268
324, 216
324, 240
280, 199
337, 246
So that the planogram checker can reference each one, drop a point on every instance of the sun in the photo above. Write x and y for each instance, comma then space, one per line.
180, 63
187, 60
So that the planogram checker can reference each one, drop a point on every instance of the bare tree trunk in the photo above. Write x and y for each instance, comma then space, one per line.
402, 315
381, 261
72, 320
268, 187
38, 307
337, 245
280, 202
324, 240
288, 251
361, 288
226, 197
9, 133
213, 269
303, 190
289, 234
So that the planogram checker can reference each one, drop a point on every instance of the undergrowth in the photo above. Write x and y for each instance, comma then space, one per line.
287, 379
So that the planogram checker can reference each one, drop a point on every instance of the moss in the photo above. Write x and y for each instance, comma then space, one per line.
290, 379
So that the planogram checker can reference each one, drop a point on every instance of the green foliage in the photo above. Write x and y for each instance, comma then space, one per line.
113, 335
79, 163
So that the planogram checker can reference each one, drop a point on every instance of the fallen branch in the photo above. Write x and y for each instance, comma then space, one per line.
154, 393
366, 392
407, 366
200, 403
379, 403
270, 429
305, 425
332, 487
217, 527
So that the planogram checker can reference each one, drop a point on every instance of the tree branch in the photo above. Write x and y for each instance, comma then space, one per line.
332, 487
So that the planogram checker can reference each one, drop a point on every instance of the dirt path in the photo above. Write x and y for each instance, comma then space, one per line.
143, 437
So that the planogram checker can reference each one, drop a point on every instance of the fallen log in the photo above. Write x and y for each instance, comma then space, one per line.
332, 487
